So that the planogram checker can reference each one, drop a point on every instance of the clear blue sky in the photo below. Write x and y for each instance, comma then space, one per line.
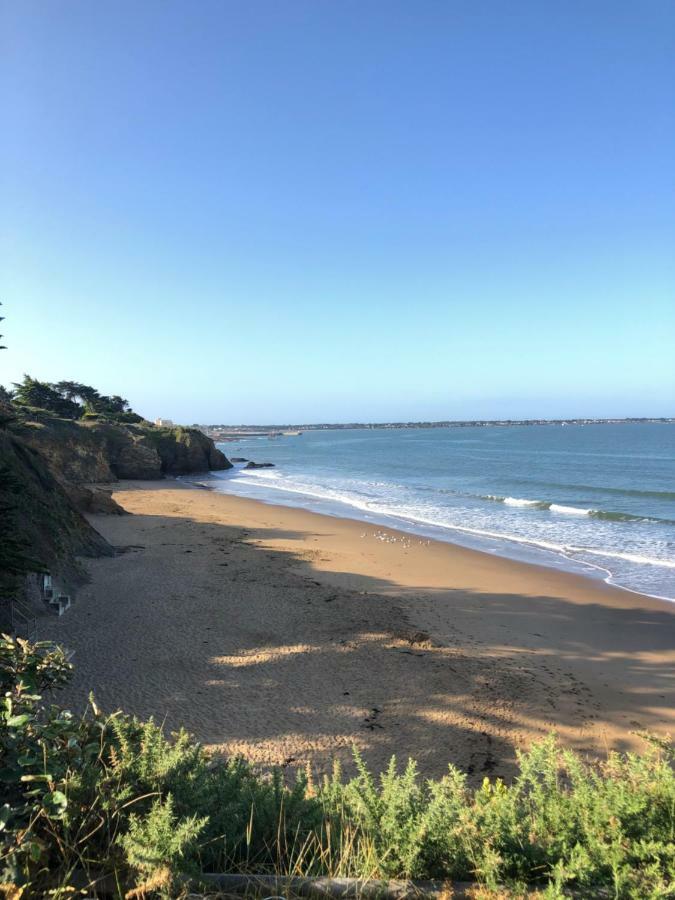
301, 210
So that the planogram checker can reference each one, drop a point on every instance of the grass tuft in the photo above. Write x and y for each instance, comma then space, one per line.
107, 796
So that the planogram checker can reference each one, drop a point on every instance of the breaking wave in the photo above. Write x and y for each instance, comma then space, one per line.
608, 515
620, 532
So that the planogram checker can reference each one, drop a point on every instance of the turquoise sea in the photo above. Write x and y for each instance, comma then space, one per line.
593, 499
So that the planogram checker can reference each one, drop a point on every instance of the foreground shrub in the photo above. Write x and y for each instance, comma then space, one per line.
94, 796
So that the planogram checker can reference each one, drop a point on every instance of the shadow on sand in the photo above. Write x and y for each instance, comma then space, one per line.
255, 651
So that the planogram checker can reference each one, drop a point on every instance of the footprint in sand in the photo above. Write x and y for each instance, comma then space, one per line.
370, 722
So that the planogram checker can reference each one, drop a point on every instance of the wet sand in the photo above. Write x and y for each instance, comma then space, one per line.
289, 637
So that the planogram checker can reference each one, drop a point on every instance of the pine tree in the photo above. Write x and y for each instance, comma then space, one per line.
41, 395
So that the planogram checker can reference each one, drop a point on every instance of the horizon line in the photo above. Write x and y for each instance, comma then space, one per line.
441, 423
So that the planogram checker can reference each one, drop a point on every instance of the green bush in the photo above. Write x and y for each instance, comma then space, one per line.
106, 795
101, 794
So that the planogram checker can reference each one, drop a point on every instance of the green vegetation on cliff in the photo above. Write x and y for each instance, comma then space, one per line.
89, 437
41, 529
55, 438
89, 451
71, 400
106, 795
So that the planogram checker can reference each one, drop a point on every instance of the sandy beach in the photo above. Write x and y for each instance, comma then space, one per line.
289, 637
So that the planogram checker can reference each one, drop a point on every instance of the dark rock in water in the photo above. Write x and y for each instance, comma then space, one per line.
238, 459
255, 465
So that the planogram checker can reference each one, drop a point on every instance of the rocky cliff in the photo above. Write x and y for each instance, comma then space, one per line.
84, 451
184, 450
39, 518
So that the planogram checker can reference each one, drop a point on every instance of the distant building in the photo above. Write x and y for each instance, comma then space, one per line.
163, 423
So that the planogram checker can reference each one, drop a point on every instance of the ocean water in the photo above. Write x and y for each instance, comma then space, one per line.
593, 499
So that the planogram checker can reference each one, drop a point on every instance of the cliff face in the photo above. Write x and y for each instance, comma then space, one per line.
74, 453
45, 464
185, 450
39, 514
82, 452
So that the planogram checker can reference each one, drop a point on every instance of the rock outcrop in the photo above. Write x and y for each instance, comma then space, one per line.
75, 452
184, 450
96, 500
39, 515
255, 465
85, 452
45, 463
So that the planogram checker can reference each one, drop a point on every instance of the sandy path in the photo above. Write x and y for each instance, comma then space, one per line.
289, 636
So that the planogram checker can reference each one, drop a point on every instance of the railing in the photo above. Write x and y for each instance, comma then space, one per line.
18, 616
23, 621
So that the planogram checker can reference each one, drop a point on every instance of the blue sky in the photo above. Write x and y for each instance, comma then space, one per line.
311, 211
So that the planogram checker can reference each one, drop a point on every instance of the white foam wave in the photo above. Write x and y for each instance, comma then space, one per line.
481, 532
392, 509
284, 484
408, 514
569, 510
412, 514
264, 474
629, 557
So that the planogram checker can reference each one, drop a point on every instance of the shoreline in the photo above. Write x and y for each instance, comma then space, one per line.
288, 636
419, 528
403, 535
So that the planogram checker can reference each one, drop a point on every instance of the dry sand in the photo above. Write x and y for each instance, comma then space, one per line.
288, 637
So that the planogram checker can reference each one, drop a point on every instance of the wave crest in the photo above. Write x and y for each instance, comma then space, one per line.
569, 510
605, 514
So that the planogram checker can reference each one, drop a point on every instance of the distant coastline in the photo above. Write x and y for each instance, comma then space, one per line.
219, 432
